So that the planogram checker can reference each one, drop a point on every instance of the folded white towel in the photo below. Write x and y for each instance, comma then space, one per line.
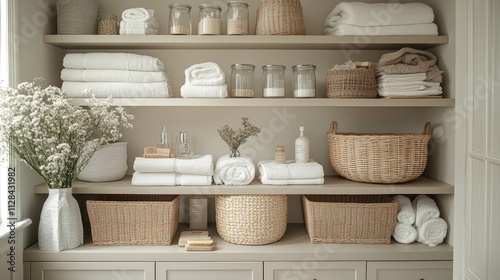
119, 90
114, 61
205, 74
425, 92
406, 213
379, 14
139, 31
313, 181
404, 233
384, 84
202, 165
137, 14
96, 75
432, 232
415, 77
391, 30
409, 88
425, 209
170, 179
151, 23
268, 169
234, 171
188, 91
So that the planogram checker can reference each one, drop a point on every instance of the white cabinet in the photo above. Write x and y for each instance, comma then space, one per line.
315, 270
92, 270
426, 270
209, 271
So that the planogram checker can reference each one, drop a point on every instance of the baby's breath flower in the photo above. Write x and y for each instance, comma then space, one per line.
234, 139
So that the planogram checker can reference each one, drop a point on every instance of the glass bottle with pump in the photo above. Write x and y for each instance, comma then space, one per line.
302, 147
184, 150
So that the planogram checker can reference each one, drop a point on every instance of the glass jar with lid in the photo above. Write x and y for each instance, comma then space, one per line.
210, 22
237, 18
107, 24
180, 19
242, 80
273, 80
304, 80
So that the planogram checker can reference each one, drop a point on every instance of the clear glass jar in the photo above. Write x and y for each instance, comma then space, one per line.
304, 80
107, 24
242, 80
210, 22
237, 18
273, 81
180, 19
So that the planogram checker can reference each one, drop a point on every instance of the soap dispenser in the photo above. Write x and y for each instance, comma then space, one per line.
184, 150
302, 147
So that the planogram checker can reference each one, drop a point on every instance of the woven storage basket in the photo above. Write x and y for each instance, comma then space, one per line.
251, 219
348, 219
280, 17
355, 83
133, 219
378, 158
76, 16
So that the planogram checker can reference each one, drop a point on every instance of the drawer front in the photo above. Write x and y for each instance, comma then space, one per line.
313, 270
92, 270
209, 271
426, 270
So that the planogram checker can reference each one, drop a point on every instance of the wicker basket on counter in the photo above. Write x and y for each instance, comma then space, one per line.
280, 17
351, 83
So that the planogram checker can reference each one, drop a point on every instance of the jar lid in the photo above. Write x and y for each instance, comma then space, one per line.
273, 66
210, 6
179, 5
237, 3
243, 66
304, 67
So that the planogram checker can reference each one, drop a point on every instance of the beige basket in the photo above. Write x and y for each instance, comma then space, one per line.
280, 17
378, 158
251, 219
349, 219
355, 83
133, 219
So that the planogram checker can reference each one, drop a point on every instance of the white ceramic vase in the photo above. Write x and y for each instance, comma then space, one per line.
61, 226
109, 163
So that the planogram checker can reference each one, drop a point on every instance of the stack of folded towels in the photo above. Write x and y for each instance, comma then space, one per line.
196, 171
409, 73
114, 74
419, 220
290, 173
139, 21
205, 80
358, 18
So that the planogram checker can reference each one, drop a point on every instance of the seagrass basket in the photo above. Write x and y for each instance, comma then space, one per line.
354, 83
251, 219
378, 158
280, 17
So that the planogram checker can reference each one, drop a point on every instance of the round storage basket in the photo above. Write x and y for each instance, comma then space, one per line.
355, 83
280, 17
76, 17
251, 219
378, 158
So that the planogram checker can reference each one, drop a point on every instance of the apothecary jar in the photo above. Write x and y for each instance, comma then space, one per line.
210, 22
304, 80
273, 81
242, 80
237, 18
180, 19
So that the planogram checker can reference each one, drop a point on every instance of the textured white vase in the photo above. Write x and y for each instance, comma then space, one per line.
61, 226
109, 163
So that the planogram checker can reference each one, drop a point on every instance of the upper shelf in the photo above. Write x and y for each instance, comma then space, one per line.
290, 42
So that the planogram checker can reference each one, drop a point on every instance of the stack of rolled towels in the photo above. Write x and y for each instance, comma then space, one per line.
234, 171
204, 80
139, 21
408, 73
364, 19
118, 75
197, 171
290, 173
419, 220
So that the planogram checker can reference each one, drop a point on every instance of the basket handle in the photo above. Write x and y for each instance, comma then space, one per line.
333, 127
427, 128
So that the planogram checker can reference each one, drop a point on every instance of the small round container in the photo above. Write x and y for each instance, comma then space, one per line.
107, 24
273, 81
237, 18
242, 80
304, 80
180, 19
210, 22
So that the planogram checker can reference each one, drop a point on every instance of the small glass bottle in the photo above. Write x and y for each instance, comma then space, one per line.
210, 20
184, 151
180, 19
107, 24
280, 155
237, 18
304, 80
273, 81
242, 80
164, 139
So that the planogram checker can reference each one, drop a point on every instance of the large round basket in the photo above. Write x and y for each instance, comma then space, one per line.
280, 17
251, 219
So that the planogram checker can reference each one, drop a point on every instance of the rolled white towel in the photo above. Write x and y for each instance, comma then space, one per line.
151, 23
235, 171
170, 179
291, 170
96, 75
118, 90
205, 74
202, 165
404, 233
139, 31
430, 29
113, 61
432, 232
425, 209
406, 213
188, 91
137, 14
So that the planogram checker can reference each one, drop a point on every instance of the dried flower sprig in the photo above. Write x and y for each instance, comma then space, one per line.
234, 139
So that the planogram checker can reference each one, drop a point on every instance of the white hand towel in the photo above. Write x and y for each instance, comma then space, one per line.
425, 92
139, 31
235, 171
188, 91
432, 232
205, 74
95, 75
425, 209
404, 233
137, 14
118, 90
151, 23
113, 61
312, 181
170, 179
406, 213
391, 30
268, 169
202, 165
384, 84
415, 77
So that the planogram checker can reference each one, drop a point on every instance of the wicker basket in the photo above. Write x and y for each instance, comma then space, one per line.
349, 219
251, 219
355, 83
280, 17
378, 158
133, 219
76, 16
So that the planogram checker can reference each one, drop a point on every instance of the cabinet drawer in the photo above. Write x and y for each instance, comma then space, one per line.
209, 271
426, 270
92, 270
314, 270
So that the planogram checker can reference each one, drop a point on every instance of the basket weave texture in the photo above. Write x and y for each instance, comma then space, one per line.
355, 83
133, 219
76, 16
378, 158
280, 17
251, 219
349, 219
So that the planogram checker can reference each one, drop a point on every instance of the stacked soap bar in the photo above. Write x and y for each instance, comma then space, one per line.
155, 152
196, 241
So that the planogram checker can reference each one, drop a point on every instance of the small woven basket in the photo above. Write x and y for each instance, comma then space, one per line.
280, 17
378, 158
355, 83
251, 219
349, 219
133, 219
